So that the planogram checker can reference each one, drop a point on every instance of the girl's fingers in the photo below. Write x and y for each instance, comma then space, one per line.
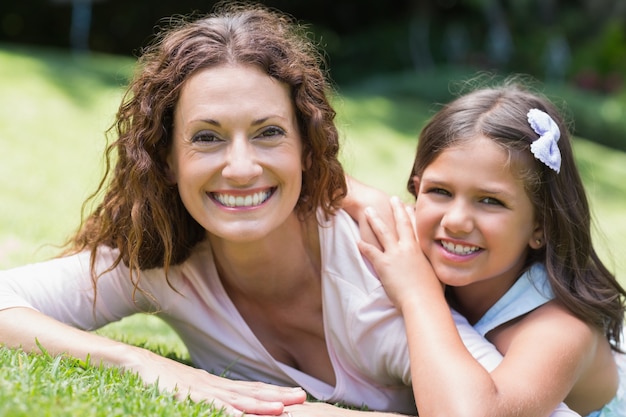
410, 212
401, 219
368, 250
405, 220
380, 229
388, 236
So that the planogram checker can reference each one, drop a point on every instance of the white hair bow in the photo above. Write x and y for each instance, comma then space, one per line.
545, 148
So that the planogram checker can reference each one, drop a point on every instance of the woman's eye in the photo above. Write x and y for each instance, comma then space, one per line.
204, 137
271, 132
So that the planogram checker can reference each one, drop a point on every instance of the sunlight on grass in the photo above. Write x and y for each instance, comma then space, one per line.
52, 136
604, 171
150, 332
373, 151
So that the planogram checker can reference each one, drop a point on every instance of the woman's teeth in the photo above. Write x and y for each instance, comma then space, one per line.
243, 201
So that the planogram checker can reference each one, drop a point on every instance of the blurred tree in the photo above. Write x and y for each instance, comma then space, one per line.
80, 23
552, 39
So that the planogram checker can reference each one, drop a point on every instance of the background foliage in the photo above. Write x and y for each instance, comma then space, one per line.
570, 43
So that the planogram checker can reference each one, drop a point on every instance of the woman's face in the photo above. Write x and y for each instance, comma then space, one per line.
236, 154
475, 221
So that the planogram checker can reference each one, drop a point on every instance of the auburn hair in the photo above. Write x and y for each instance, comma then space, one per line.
137, 210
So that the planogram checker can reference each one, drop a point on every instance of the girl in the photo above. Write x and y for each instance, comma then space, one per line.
502, 221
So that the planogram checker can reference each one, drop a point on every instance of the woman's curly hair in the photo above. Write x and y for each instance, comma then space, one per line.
140, 212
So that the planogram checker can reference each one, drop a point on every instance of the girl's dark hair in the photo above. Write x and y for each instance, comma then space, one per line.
141, 213
579, 279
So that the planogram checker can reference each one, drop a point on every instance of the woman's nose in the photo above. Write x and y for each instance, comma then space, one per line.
241, 162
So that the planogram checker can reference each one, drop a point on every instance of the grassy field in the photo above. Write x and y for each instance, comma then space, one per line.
54, 110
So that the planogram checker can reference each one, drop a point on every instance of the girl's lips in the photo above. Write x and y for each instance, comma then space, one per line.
458, 249
238, 200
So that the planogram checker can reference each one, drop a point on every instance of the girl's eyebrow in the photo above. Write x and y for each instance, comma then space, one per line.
496, 191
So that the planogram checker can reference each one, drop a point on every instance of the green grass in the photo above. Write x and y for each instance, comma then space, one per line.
40, 385
54, 110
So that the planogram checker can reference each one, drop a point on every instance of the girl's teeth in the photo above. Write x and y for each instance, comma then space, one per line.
459, 249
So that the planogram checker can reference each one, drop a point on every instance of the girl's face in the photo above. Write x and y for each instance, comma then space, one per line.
475, 221
236, 154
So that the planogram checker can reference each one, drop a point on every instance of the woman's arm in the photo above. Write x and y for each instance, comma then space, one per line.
48, 304
26, 328
533, 376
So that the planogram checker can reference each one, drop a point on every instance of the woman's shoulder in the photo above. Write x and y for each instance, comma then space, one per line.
342, 262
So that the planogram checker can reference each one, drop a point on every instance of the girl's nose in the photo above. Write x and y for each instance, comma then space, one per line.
241, 162
458, 218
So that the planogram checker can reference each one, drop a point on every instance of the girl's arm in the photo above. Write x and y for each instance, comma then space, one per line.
538, 369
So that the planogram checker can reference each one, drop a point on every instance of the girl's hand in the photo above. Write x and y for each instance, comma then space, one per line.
359, 198
400, 264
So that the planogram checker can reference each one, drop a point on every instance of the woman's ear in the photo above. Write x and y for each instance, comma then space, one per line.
307, 161
170, 174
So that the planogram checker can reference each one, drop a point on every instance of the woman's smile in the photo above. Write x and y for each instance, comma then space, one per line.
237, 200
236, 156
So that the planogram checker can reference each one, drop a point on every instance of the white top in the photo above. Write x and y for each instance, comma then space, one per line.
364, 333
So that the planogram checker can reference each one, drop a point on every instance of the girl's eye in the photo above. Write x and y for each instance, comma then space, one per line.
439, 191
492, 201
271, 132
205, 137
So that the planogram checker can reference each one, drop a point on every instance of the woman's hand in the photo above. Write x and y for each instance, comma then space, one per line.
400, 263
22, 327
235, 397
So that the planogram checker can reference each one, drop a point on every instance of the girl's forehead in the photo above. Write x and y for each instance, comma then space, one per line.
481, 157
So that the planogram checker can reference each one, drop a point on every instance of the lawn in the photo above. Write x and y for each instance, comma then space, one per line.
54, 110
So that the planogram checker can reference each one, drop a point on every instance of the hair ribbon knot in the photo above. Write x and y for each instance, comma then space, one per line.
545, 148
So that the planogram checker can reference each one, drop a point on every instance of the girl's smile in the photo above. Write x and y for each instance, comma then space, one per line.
475, 220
